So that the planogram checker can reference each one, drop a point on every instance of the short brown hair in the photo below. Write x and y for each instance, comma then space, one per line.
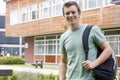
71, 3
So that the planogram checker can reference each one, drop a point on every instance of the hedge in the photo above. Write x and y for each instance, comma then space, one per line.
11, 60
33, 76
29, 76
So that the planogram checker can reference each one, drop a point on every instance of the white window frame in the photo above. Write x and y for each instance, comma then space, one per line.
115, 43
43, 46
39, 44
42, 13
31, 9
55, 10
50, 46
23, 15
87, 5
108, 3
14, 17
77, 1
114, 40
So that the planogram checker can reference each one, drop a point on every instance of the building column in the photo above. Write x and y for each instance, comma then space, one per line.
20, 47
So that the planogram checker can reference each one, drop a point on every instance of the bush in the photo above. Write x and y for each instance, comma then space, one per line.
4, 78
118, 74
11, 60
14, 76
36, 76
29, 76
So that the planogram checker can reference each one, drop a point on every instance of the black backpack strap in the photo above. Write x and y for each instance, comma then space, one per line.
85, 40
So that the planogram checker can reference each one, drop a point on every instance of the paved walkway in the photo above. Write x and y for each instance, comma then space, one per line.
34, 70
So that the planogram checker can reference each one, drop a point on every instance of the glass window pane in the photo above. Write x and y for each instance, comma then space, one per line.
115, 43
24, 17
107, 2
57, 7
114, 47
34, 14
44, 9
119, 48
92, 3
48, 45
89, 4
14, 17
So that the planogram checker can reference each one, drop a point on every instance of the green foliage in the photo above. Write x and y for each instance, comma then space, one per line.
29, 76
33, 76
14, 76
38, 76
118, 74
4, 78
11, 60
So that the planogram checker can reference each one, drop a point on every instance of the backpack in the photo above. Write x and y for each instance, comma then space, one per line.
105, 71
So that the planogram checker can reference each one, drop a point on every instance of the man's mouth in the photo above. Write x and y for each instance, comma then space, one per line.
71, 20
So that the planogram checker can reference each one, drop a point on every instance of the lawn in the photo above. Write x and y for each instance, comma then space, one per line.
53, 67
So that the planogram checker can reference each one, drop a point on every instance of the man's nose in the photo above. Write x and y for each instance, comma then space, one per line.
70, 14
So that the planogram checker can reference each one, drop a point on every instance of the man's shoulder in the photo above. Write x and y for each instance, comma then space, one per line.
66, 33
96, 29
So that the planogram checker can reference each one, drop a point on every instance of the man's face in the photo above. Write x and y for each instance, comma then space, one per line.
71, 15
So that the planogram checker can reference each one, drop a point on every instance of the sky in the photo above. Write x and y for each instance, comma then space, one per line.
2, 7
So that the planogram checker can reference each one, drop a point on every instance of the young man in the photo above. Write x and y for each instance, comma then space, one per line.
72, 62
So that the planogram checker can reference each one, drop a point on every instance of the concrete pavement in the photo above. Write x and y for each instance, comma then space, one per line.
33, 70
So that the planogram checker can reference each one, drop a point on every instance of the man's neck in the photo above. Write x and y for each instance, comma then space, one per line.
75, 26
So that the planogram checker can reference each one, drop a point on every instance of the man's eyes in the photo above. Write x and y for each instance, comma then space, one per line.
73, 12
70, 12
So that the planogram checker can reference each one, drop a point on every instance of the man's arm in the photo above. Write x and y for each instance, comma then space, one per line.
107, 51
62, 66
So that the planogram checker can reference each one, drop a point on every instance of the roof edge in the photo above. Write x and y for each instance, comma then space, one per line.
6, 0
111, 26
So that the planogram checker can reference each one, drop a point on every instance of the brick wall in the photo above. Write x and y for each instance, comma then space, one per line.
38, 27
108, 15
29, 52
99, 16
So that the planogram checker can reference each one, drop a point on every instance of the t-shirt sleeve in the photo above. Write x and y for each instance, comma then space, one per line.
62, 47
99, 38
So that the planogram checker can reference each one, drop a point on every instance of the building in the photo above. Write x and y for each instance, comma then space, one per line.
41, 23
12, 46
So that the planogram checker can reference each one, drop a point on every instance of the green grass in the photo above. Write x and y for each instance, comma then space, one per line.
50, 67
30, 66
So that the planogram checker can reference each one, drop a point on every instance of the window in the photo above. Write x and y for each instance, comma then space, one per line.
78, 1
14, 17
23, 15
47, 45
39, 47
107, 2
33, 12
114, 41
112, 32
44, 11
57, 7
51, 46
113, 38
90, 4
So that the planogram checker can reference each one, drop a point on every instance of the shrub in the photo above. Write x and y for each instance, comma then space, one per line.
11, 60
4, 78
36, 76
14, 76
118, 74
29, 76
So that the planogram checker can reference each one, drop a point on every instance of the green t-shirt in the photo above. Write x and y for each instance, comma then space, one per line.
71, 44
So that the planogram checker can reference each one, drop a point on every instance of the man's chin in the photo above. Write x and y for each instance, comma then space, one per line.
72, 23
